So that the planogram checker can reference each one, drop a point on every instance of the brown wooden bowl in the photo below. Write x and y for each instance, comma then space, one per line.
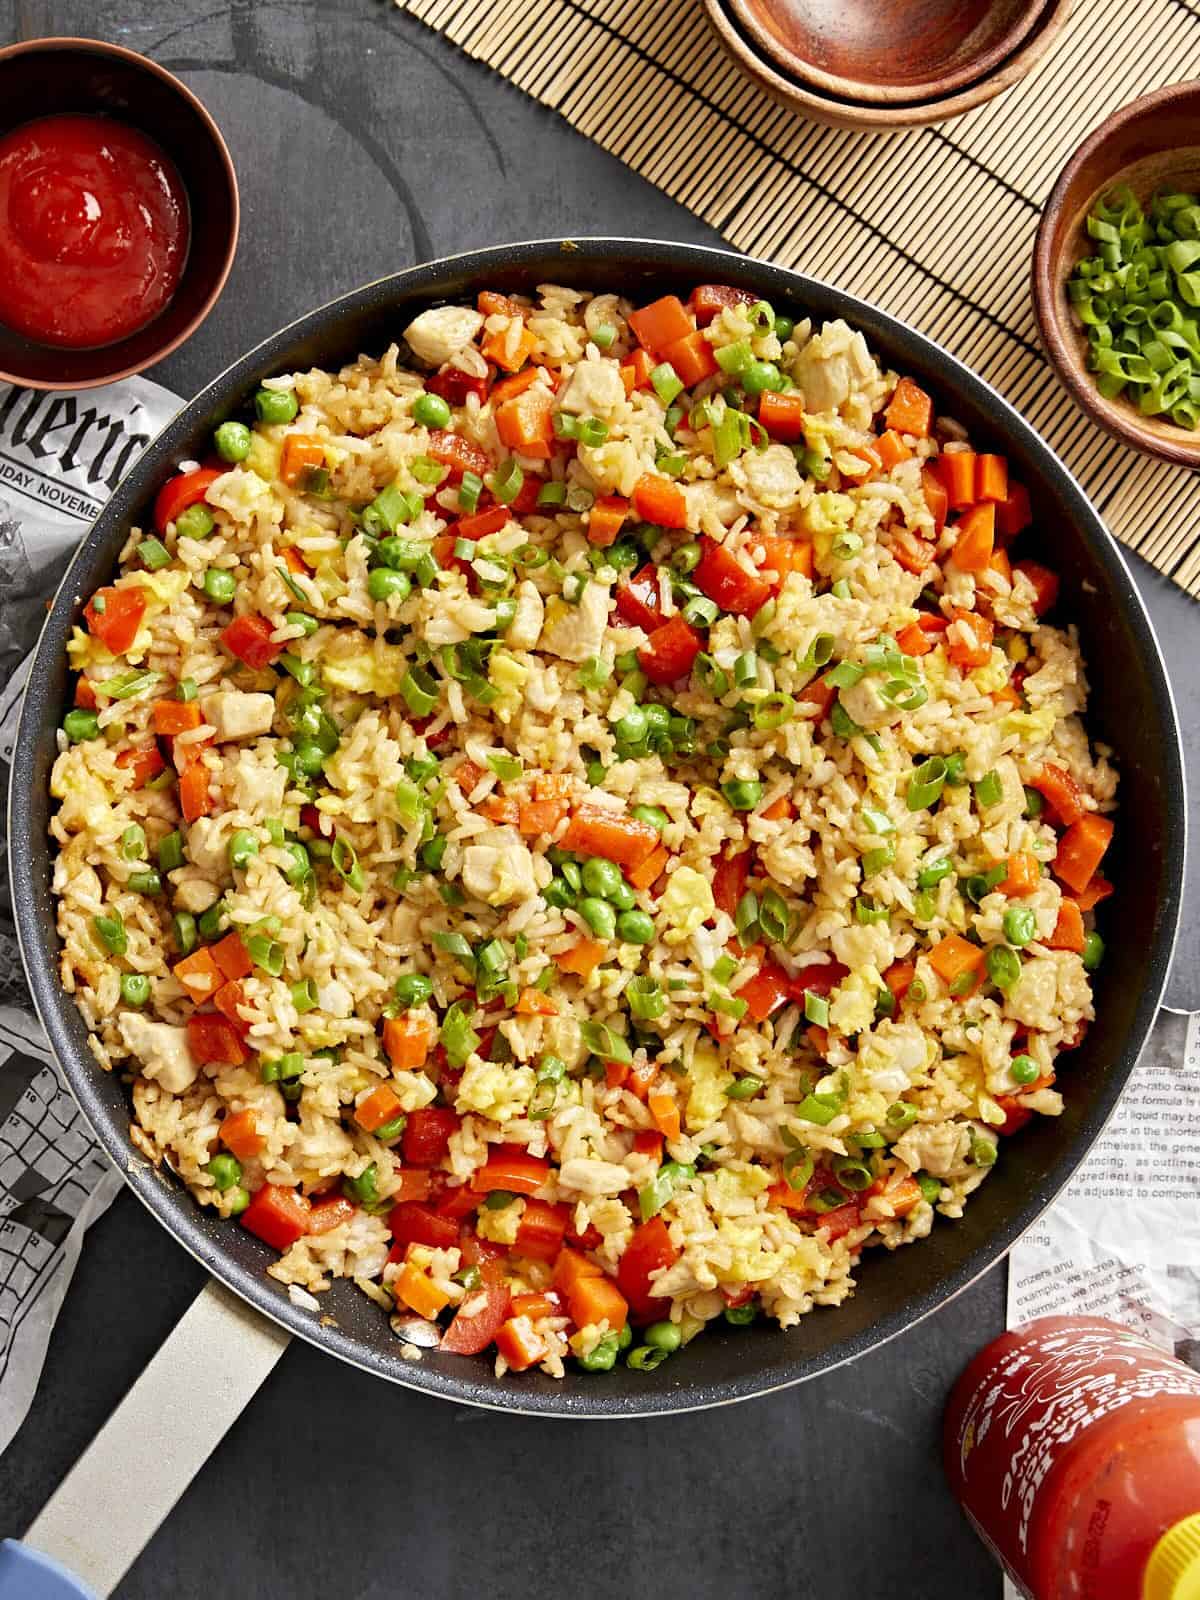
42, 77
1150, 144
837, 113
888, 52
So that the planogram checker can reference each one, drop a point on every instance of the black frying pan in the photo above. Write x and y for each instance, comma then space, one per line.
1130, 709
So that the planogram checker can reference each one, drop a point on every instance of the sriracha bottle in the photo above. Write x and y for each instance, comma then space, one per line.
1074, 1447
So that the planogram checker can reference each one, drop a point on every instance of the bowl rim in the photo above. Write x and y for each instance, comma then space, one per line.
816, 107
62, 43
1118, 421
861, 92
174, 1209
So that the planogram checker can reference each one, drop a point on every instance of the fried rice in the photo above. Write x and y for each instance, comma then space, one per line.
578, 823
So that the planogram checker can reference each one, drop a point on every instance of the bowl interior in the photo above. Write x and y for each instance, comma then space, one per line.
1131, 709
82, 76
882, 51
1152, 149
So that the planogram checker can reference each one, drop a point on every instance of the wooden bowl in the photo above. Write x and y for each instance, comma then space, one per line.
837, 113
41, 77
1150, 144
888, 52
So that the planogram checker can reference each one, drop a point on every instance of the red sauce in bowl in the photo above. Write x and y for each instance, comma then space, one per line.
93, 230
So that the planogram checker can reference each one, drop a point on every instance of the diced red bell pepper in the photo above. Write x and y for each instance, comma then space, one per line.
277, 1216
820, 980
766, 991
427, 1133
482, 523
670, 651
1015, 1114
414, 1223
726, 582
212, 1038
454, 385
638, 600
249, 639
708, 300
480, 1316
649, 1250
839, 1222
459, 454
541, 1230
511, 1167
729, 880
183, 490
114, 616
326, 1215
145, 764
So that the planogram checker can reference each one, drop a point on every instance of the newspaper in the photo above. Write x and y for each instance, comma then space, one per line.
61, 456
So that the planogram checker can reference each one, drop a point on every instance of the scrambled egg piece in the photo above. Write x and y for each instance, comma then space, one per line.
852, 1003
86, 802
510, 677
708, 1084
1031, 727
992, 678
686, 905
413, 1090
379, 670
498, 867
494, 1090
501, 1226
750, 1263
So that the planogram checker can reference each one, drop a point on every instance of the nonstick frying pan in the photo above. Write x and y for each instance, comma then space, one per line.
1131, 710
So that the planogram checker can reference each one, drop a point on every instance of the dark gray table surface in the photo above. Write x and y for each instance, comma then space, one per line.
363, 143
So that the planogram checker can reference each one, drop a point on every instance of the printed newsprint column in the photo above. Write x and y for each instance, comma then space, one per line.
61, 456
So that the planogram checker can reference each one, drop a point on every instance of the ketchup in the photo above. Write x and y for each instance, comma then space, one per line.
1074, 1446
93, 230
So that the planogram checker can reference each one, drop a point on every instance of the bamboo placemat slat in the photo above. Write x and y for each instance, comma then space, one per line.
936, 225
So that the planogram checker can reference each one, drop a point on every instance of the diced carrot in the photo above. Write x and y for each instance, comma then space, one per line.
526, 423
300, 453
1098, 889
540, 816
783, 556
1014, 513
616, 1074
661, 323
537, 1303
936, 498
816, 697
991, 478
553, 785
533, 1003
872, 462
170, 717
635, 373
509, 388
605, 520
650, 870
582, 958
692, 357
913, 640
892, 450
239, 1134
975, 650
496, 348
912, 552
231, 956
466, 775
541, 1230
380, 1106
144, 764
229, 1000
406, 1039
502, 809
419, 1292
277, 1216
664, 1108
1045, 584
660, 501
999, 562
1056, 785
1068, 930
782, 415
510, 1167
787, 1198
592, 1299
1024, 874
519, 1344
953, 956
570, 1268
642, 1078
294, 561
778, 811
910, 409
411, 1183
957, 472
194, 797
976, 538
211, 1038
899, 977
1081, 849
903, 1196
615, 835
200, 975
85, 694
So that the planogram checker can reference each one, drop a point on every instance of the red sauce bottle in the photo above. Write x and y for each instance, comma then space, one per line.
1074, 1446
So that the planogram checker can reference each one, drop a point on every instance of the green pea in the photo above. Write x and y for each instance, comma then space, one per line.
232, 440
197, 522
275, 405
242, 845
385, 582
687, 558
1093, 951
310, 758
663, 1336
760, 376
658, 718
743, 794
135, 988
558, 893
741, 1316
225, 1171
412, 989
654, 815
80, 725
219, 586
784, 328
601, 877
635, 927
603, 1358
1020, 925
1024, 1069
431, 411
622, 897
599, 916
388, 1131
632, 727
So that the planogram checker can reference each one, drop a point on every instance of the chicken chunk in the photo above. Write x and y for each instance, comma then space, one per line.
937, 1147
498, 867
526, 626
577, 632
207, 847
593, 389
162, 1050
771, 476
193, 891
864, 704
438, 335
235, 714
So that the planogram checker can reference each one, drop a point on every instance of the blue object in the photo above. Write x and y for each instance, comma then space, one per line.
27, 1574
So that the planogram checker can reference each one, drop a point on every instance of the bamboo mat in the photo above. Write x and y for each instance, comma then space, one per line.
935, 225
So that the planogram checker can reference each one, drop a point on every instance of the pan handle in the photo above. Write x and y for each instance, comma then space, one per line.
110, 1504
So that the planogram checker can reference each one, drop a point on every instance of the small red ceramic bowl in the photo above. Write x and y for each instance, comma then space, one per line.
46, 77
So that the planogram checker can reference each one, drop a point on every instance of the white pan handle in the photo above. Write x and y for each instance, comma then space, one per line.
109, 1506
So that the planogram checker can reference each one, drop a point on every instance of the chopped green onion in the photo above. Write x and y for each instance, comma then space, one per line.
816, 1008
170, 852
469, 490
506, 482
989, 791
507, 768
154, 554
819, 1108
458, 1037
925, 785
144, 883
111, 930
666, 382
603, 1042
420, 691
646, 999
